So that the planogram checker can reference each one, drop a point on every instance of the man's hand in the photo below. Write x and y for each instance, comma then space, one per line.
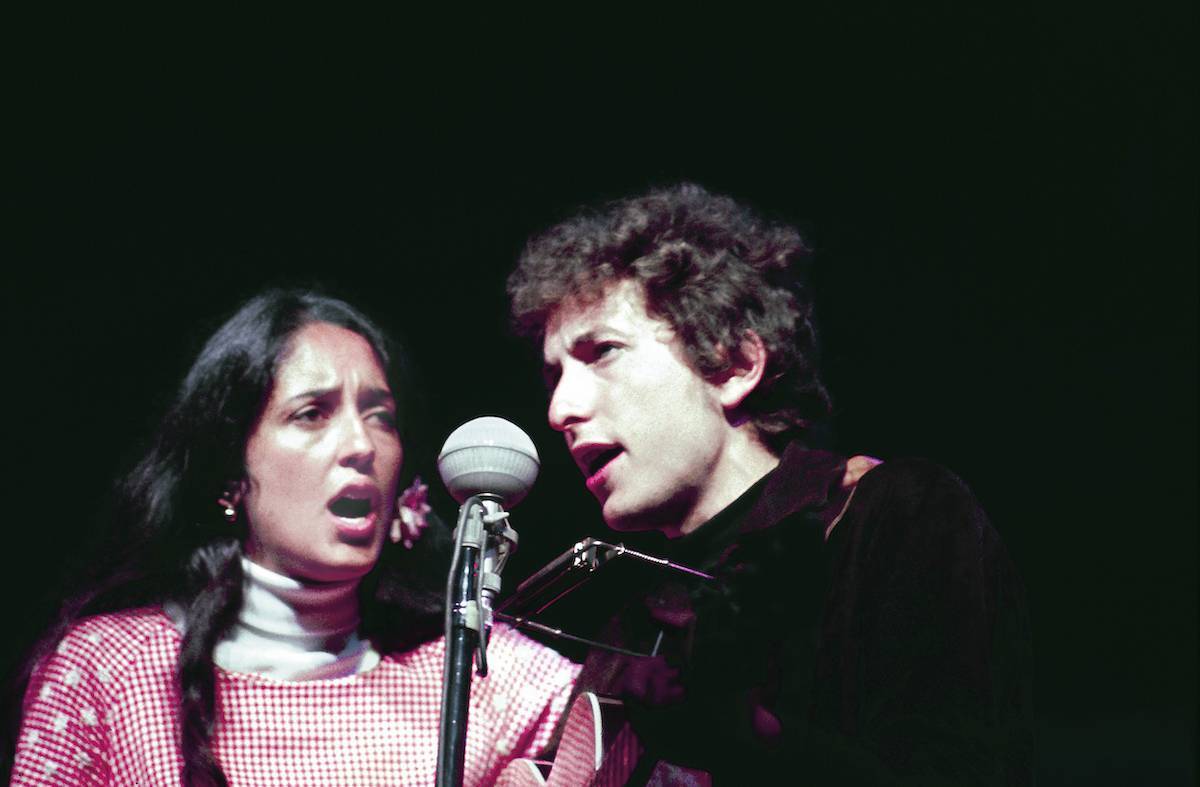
651, 682
856, 468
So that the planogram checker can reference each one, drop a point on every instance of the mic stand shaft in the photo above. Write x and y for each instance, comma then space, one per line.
462, 627
482, 543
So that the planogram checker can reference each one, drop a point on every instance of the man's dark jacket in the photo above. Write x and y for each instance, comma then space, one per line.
896, 651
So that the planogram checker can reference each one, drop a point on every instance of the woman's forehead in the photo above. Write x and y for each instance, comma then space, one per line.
324, 355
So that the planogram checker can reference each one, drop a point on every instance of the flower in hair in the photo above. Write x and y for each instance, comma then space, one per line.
411, 508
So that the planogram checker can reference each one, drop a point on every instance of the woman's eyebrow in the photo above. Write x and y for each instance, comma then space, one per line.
376, 395
312, 393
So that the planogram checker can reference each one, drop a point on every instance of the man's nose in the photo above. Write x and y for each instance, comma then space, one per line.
571, 401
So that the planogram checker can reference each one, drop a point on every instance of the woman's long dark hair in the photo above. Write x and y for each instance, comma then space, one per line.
170, 543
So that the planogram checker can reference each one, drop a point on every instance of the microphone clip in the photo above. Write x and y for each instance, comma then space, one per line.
484, 539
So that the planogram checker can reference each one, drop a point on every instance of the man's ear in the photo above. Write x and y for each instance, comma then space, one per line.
748, 362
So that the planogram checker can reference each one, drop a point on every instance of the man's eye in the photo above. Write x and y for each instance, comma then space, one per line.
604, 349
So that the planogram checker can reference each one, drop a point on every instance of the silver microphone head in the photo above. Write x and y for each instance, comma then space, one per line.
489, 455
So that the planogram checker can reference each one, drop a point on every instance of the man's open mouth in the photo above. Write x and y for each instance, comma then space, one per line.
597, 462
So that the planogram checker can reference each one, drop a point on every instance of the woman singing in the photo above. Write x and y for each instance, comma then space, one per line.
268, 618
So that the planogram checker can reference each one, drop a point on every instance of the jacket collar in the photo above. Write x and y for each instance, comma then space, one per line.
804, 483
805, 480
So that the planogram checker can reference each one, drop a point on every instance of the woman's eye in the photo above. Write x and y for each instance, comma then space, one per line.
309, 415
386, 417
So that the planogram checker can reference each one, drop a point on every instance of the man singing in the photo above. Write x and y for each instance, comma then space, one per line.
866, 624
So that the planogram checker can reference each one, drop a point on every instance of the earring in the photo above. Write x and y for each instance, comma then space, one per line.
228, 502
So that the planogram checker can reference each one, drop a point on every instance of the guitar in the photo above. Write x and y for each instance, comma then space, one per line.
598, 749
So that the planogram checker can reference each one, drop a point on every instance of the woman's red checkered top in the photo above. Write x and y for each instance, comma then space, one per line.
102, 710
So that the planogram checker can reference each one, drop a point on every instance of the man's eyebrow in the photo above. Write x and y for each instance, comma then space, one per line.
583, 339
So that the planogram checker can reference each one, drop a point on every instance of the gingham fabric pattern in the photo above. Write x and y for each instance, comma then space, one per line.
101, 710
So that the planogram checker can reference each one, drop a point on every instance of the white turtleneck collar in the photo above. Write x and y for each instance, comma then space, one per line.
292, 631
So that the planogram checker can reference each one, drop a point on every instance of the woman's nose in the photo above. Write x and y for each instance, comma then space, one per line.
356, 449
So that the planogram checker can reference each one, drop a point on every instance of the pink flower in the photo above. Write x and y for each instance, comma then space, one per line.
411, 508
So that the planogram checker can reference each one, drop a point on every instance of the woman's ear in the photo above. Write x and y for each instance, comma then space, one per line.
747, 365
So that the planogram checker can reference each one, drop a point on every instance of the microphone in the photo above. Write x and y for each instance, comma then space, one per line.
489, 456
493, 461
486, 463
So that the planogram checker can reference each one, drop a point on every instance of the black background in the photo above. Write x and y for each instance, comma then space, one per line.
1002, 204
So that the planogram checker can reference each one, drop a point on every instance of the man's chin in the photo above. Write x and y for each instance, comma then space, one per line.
624, 520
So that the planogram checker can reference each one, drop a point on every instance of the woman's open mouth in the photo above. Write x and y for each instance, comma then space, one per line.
354, 512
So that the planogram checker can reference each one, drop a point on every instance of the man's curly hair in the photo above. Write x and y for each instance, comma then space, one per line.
712, 269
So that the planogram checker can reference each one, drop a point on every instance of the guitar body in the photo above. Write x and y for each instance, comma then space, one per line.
598, 749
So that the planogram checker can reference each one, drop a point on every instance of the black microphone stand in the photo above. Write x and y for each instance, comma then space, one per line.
482, 542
